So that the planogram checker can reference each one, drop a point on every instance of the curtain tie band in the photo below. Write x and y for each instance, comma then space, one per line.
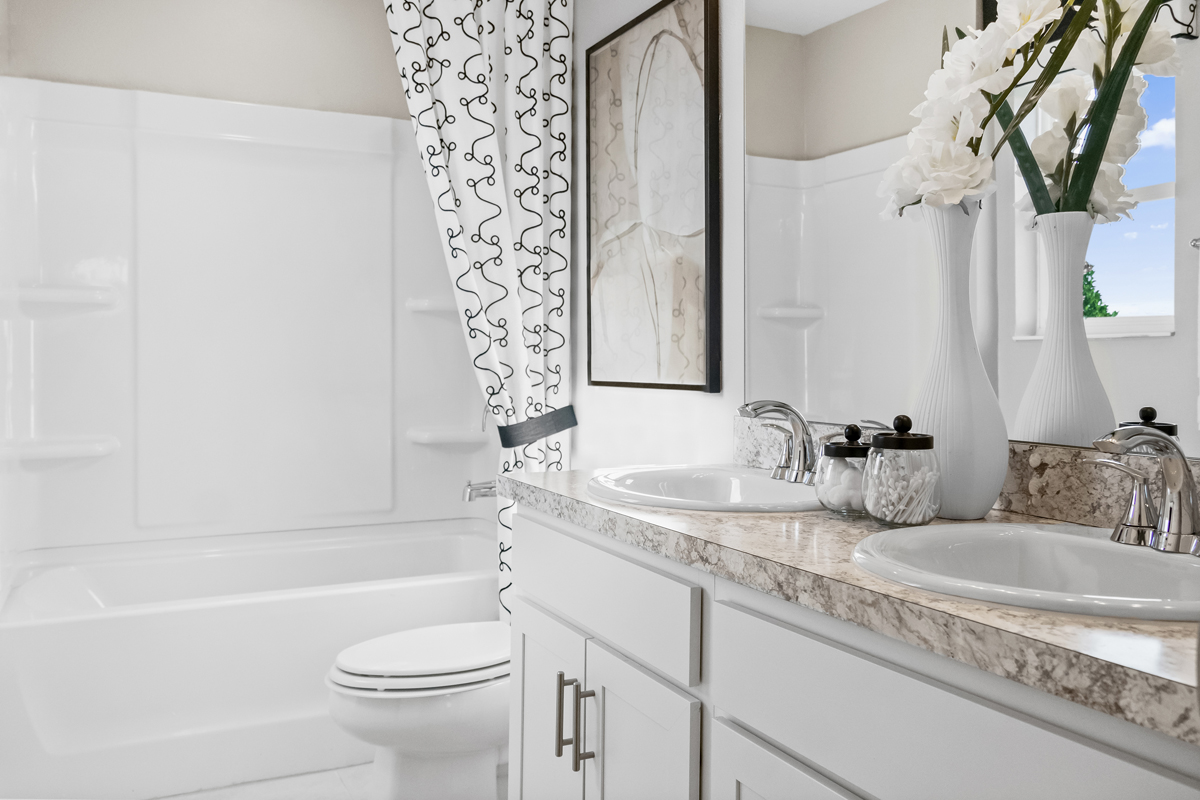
522, 433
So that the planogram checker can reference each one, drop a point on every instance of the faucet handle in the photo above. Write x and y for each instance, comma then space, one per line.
785, 458
1140, 519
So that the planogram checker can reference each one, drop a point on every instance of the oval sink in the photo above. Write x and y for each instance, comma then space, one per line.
1051, 567
708, 488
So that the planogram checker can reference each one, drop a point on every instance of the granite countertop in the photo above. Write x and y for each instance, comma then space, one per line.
1140, 671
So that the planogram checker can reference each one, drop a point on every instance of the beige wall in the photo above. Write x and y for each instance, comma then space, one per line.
847, 85
774, 93
330, 55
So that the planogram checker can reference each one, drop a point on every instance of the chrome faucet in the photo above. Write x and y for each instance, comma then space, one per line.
802, 461
474, 491
1178, 528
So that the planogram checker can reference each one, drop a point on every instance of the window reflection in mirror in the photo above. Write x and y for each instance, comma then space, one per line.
842, 306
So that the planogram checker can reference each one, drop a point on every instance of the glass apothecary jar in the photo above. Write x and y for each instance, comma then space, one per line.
840, 474
1149, 419
902, 484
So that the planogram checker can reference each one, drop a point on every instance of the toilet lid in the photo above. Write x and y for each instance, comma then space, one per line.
436, 650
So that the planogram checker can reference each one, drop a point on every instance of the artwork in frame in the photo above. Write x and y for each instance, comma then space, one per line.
653, 164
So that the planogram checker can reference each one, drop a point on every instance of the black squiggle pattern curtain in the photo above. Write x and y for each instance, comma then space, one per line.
488, 84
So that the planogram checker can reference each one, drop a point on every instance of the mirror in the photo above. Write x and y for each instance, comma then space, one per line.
842, 305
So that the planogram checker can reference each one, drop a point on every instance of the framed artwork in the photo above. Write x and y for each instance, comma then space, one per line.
654, 214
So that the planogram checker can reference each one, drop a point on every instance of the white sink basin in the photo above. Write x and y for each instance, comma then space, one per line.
708, 488
1052, 567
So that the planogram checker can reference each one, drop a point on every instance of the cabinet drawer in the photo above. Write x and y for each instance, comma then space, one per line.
650, 615
898, 735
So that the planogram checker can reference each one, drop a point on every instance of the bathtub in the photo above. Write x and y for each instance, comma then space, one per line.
141, 671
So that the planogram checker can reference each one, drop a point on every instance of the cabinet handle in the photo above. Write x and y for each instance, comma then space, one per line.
577, 740
559, 741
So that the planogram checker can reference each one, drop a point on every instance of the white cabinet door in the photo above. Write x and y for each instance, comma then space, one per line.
644, 732
747, 768
542, 647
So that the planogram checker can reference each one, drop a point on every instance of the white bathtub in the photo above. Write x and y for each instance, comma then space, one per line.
143, 671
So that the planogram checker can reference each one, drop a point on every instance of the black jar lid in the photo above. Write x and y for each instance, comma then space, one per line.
902, 439
851, 448
1148, 416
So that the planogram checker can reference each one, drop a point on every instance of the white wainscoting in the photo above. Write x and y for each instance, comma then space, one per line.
864, 288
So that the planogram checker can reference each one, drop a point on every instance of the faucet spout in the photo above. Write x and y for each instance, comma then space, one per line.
1178, 529
803, 464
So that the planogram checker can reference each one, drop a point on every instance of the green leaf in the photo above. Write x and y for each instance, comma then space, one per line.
1104, 113
1079, 24
1093, 303
945, 42
1034, 181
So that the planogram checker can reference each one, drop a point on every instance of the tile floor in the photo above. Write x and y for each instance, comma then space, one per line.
347, 783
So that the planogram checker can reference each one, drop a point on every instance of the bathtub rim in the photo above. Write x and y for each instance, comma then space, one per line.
246, 598
31, 564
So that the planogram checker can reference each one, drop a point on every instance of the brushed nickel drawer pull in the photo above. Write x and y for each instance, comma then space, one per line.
577, 740
559, 741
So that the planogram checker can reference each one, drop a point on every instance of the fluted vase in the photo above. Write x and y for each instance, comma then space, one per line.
1065, 402
957, 403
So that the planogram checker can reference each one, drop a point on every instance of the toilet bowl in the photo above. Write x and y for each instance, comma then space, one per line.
434, 703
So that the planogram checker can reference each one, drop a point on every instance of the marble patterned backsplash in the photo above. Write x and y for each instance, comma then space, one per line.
755, 445
1044, 480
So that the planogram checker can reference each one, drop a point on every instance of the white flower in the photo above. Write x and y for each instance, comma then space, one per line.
1050, 150
974, 64
1158, 55
1110, 200
1131, 121
1087, 53
1022, 20
935, 173
1068, 101
1069, 97
943, 120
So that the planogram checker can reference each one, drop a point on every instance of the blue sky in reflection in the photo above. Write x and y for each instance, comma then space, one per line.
1134, 259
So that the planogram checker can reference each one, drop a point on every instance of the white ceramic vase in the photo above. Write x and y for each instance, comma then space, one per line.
957, 403
1065, 402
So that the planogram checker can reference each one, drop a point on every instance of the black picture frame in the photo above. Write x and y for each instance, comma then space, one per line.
712, 200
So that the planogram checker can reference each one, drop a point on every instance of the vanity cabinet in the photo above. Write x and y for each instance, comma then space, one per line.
624, 631
642, 734
897, 734
792, 703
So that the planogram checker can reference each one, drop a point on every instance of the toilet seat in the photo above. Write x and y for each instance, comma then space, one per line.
332, 681
422, 661
443, 680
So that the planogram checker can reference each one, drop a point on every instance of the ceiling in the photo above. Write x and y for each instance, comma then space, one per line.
802, 16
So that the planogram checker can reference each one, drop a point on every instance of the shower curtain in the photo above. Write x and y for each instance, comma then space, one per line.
488, 84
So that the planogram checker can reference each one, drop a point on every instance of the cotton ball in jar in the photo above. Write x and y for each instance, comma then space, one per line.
838, 497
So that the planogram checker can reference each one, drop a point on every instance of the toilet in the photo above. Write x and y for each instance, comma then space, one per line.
434, 703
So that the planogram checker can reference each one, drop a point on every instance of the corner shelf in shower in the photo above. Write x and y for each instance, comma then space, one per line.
39, 302
431, 305
439, 435
60, 448
801, 316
